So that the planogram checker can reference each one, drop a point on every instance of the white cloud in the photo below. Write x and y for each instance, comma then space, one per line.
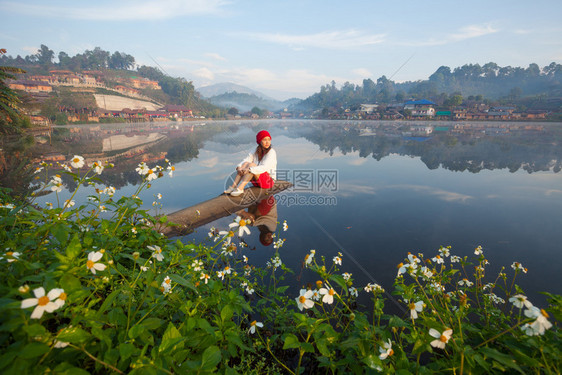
448, 196
30, 50
467, 32
204, 73
215, 56
350, 189
346, 39
358, 161
123, 10
472, 31
362, 72
210, 163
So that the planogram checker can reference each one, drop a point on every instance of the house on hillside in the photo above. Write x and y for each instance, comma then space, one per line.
368, 108
420, 108
126, 90
29, 86
178, 111
143, 83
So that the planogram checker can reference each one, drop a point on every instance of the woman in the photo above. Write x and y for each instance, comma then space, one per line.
259, 167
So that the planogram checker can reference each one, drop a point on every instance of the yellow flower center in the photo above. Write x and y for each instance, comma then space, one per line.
90, 264
331, 292
226, 269
443, 338
63, 296
242, 223
230, 234
167, 281
544, 313
43, 301
302, 299
9, 253
412, 306
253, 323
400, 265
390, 352
76, 160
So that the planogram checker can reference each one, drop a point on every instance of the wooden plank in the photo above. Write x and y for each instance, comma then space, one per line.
184, 221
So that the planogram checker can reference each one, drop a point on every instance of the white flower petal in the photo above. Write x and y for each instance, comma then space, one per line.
38, 312
39, 292
26, 303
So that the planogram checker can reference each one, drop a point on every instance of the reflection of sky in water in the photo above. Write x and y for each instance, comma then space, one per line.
385, 209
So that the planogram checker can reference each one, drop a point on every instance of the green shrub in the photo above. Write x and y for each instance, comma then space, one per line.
96, 289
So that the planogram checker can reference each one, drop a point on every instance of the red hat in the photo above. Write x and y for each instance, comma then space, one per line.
261, 135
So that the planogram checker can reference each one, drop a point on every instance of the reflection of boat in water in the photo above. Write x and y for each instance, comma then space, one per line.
184, 221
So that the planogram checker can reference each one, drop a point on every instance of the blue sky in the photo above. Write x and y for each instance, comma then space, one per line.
290, 48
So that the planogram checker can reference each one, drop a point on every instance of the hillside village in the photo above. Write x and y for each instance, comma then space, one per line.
120, 98
130, 98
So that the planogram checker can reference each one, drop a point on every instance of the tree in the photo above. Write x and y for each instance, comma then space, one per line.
233, 111
45, 56
64, 59
120, 60
257, 111
10, 113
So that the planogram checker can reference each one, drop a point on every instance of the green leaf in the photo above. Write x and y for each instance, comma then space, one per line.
60, 231
211, 358
74, 248
282, 289
35, 330
322, 345
66, 368
73, 335
502, 358
226, 313
373, 361
172, 339
291, 342
152, 323
136, 330
338, 279
34, 349
70, 283
7, 358
126, 350
181, 281
108, 301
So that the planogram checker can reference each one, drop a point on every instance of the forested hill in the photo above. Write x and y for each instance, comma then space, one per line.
489, 81
113, 67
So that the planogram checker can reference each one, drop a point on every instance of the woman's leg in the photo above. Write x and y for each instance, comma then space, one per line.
245, 179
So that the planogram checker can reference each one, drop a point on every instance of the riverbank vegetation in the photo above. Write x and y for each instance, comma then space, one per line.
93, 288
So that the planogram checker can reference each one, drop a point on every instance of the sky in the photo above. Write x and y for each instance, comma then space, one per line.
291, 48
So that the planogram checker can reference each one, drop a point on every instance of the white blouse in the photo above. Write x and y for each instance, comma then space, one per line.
267, 164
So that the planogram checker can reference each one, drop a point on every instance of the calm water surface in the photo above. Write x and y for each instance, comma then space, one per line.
371, 190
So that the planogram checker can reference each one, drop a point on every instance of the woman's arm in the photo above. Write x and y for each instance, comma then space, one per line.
247, 159
267, 164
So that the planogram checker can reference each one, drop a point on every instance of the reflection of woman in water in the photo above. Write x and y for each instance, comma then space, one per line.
263, 215
259, 167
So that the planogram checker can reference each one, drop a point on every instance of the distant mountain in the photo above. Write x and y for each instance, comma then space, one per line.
245, 102
226, 87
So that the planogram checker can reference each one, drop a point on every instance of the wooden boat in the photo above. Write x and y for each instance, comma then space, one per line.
184, 221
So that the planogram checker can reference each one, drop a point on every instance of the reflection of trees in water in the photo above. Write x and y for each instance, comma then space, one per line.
531, 152
16, 172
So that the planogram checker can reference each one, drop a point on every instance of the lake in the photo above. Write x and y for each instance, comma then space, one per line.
373, 191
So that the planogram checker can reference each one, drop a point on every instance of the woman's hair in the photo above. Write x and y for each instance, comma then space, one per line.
261, 152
